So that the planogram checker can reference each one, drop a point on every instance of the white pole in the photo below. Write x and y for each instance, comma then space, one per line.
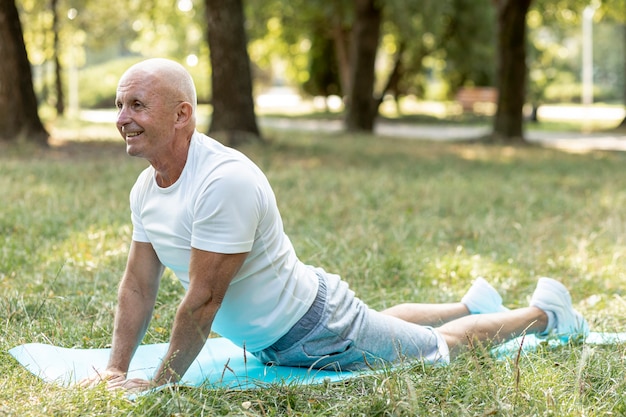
74, 106
587, 53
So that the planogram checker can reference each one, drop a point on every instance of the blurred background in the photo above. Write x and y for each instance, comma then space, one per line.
510, 62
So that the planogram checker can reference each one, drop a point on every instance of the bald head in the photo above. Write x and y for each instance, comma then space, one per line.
166, 77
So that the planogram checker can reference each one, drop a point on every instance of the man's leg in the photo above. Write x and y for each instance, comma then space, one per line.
481, 298
550, 311
428, 314
493, 328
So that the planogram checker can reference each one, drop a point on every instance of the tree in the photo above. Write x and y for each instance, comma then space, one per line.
58, 81
616, 11
362, 109
412, 43
292, 32
511, 69
19, 118
622, 125
233, 105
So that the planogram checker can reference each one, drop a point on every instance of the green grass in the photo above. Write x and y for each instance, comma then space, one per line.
399, 220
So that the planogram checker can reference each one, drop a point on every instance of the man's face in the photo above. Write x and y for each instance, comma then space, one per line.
145, 119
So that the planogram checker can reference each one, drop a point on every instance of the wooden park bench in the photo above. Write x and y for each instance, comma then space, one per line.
467, 97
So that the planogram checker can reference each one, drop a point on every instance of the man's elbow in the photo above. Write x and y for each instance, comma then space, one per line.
205, 308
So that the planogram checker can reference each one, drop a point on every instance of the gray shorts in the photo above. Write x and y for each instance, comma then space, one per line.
341, 332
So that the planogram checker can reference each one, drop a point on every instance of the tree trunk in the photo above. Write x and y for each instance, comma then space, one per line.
361, 107
58, 81
395, 76
233, 119
340, 36
512, 71
622, 125
19, 119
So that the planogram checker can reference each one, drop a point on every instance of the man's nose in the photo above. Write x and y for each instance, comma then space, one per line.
122, 117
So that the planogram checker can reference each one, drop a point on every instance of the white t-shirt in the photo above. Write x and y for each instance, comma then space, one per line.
223, 203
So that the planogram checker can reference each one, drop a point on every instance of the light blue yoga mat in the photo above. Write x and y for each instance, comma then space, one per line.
531, 342
221, 364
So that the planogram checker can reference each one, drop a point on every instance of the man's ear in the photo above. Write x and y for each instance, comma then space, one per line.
183, 114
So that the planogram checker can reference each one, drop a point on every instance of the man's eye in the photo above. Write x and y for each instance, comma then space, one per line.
135, 105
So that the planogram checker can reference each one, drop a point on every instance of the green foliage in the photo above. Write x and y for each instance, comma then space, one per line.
444, 44
400, 220
323, 68
555, 52
98, 83
612, 9
440, 37
282, 34
549, 59
469, 43
94, 33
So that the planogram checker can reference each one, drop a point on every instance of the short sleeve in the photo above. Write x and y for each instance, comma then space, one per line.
136, 195
228, 209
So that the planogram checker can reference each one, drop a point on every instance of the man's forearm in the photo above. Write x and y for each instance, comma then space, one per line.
210, 274
189, 333
132, 318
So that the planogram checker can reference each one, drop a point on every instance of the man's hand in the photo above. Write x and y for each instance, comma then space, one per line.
117, 380
107, 376
131, 385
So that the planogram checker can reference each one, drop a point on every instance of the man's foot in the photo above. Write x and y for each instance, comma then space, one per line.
482, 298
552, 297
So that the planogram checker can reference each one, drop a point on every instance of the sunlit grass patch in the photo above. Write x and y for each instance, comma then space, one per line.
399, 220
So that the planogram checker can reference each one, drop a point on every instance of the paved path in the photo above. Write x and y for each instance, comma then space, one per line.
573, 141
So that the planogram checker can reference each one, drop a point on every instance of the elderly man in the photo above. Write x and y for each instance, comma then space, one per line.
209, 214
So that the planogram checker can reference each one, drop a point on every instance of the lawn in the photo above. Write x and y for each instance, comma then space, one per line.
400, 220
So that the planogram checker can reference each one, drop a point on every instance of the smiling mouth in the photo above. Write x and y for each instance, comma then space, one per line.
133, 134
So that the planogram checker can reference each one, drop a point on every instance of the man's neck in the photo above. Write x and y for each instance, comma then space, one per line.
170, 167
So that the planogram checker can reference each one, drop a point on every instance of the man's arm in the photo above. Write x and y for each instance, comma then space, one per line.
210, 275
136, 298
